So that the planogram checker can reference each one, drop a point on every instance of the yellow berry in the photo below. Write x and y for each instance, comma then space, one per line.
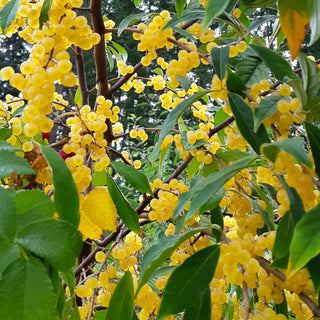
100, 256
6, 73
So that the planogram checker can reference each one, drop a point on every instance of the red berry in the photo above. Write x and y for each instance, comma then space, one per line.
64, 155
46, 135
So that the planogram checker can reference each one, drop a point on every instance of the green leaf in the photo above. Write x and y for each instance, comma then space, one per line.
162, 272
235, 83
265, 109
32, 205
251, 70
66, 198
203, 190
312, 109
219, 57
294, 146
278, 65
7, 256
160, 252
219, 118
260, 21
57, 241
313, 133
26, 291
99, 178
314, 267
78, 98
110, 59
305, 243
18, 111
8, 215
213, 9
244, 119
193, 167
125, 211
184, 82
10, 162
69, 279
234, 155
310, 75
172, 118
121, 304
137, 2
281, 246
123, 52
75, 315
314, 14
187, 146
44, 14
5, 133
134, 177
8, 14
202, 311
101, 315
189, 281
216, 218
179, 4
282, 307
127, 21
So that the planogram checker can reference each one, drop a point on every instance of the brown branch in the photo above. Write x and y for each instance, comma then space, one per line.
82, 76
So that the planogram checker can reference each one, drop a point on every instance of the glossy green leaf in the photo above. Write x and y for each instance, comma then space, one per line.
278, 65
265, 109
133, 176
188, 15
219, 57
260, 21
281, 247
314, 267
121, 304
193, 167
127, 21
125, 211
189, 281
294, 146
8, 254
8, 215
32, 205
26, 291
310, 75
213, 202
179, 4
219, 117
10, 162
258, 3
123, 52
184, 82
187, 146
8, 14
78, 98
162, 272
234, 155
66, 198
5, 133
137, 2
44, 14
216, 217
305, 243
282, 307
235, 83
99, 178
101, 315
160, 252
213, 9
57, 241
314, 14
69, 279
202, 311
109, 59
244, 119
313, 133
172, 118
251, 70
75, 314
201, 192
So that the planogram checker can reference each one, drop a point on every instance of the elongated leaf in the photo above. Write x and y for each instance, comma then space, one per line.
75, 315
8, 215
179, 4
121, 303
127, 21
219, 57
310, 75
202, 311
184, 82
244, 119
58, 241
216, 218
235, 83
110, 59
69, 279
314, 14
125, 211
8, 14
8, 254
313, 133
173, 116
160, 252
162, 272
251, 70
213, 9
77, 97
294, 146
10, 162
5, 133
32, 205
201, 192
44, 14
265, 109
305, 243
260, 21
187, 146
137, 2
281, 247
294, 19
188, 15
26, 291
282, 307
134, 177
66, 198
314, 267
123, 52
278, 65
189, 281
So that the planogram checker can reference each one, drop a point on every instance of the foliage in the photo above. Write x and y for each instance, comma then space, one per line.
183, 182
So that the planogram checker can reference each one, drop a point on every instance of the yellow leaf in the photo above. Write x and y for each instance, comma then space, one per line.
294, 19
